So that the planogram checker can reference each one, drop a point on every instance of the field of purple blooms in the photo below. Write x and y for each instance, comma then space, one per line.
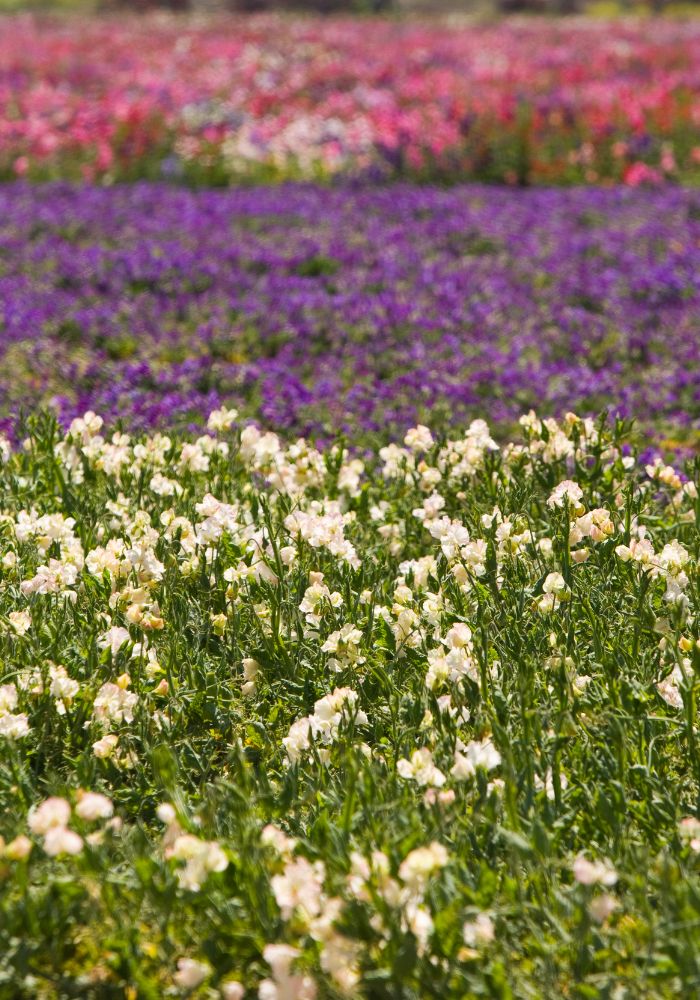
319, 310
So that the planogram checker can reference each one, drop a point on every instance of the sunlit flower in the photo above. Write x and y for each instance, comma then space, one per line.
190, 973
421, 769
52, 812
479, 932
93, 805
593, 872
60, 840
285, 984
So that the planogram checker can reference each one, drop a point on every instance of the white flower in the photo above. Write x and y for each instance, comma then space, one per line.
419, 438
14, 727
19, 848
284, 985
580, 682
299, 887
547, 784
221, 420
297, 739
272, 836
8, 698
190, 973
459, 636
421, 769
50, 813
418, 920
530, 422
251, 669
110, 558
113, 639
193, 459
232, 990
477, 754
483, 754
593, 872
20, 622
218, 518
113, 703
164, 487
601, 907
201, 858
61, 840
479, 932
596, 525
105, 747
166, 813
669, 688
323, 527
431, 508
554, 584
674, 557
51, 579
280, 957
417, 867
346, 645
567, 491
324, 724
397, 461
452, 535
339, 954
63, 688
406, 629
349, 476
94, 805
663, 473
689, 832
85, 427
639, 550
554, 591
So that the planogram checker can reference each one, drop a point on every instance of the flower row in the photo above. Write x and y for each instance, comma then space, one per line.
271, 97
358, 311
283, 723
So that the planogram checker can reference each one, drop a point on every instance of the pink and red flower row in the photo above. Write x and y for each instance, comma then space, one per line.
270, 96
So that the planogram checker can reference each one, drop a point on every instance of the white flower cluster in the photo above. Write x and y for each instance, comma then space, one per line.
51, 817
13, 725
235, 581
322, 727
405, 893
670, 564
323, 526
299, 893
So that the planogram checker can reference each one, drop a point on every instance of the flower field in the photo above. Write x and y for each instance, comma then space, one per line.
321, 311
271, 97
291, 724
349, 517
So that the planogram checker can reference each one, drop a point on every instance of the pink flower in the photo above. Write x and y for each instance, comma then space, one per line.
640, 173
